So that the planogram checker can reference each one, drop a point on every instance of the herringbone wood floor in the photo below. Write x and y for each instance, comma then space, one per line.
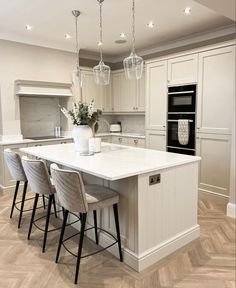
208, 262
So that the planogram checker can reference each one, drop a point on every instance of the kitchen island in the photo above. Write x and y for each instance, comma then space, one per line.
158, 196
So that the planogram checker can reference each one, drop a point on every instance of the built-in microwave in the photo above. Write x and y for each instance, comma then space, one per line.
182, 98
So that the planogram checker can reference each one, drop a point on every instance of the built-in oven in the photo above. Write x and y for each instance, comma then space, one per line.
182, 98
173, 143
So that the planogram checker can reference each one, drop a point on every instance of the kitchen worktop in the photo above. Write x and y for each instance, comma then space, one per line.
28, 140
114, 162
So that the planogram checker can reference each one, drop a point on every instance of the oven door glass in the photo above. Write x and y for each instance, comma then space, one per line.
173, 140
181, 103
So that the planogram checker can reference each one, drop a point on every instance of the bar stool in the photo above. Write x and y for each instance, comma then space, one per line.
74, 196
40, 183
16, 170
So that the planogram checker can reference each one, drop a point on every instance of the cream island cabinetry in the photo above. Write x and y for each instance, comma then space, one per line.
148, 209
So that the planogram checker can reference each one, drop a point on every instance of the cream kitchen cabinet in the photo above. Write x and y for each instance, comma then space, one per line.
216, 89
129, 141
100, 93
120, 140
128, 95
214, 166
136, 142
156, 140
156, 95
183, 69
116, 90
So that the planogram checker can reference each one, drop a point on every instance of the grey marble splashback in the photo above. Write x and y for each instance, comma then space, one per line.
39, 115
130, 123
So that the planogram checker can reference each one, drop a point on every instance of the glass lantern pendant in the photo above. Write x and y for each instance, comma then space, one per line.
76, 75
101, 71
133, 65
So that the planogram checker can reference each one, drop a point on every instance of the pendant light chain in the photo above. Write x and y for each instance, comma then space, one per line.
133, 26
100, 32
77, 42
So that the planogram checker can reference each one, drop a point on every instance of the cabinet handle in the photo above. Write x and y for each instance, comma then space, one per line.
198, 128
133, 108
120, 139
135, 141
164, 126
63, 142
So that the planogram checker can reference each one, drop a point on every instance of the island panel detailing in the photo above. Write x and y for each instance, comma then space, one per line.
158, 202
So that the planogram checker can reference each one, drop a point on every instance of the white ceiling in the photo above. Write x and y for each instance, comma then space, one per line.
52, 19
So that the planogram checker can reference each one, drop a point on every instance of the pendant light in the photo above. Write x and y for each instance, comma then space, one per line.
133, 65
101, 71
76, 74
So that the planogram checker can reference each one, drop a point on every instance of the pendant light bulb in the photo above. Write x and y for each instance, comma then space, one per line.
76, 75
101, 71
133, 65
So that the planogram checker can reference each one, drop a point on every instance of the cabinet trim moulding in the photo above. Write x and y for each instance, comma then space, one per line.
192, 51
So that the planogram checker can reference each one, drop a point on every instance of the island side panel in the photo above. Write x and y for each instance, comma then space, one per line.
128, 209
167, 212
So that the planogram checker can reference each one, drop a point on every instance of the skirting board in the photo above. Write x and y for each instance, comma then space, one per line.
231, 210
150, 257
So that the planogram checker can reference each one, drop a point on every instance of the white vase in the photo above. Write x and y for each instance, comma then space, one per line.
81, 135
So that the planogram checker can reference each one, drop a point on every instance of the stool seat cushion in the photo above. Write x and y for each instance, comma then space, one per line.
100, 197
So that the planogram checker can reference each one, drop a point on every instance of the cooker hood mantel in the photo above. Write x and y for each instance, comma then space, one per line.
42, 89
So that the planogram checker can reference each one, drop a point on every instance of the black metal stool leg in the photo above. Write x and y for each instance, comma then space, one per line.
33, 214
95, 225
83, 223
23, 202
116, 215
54, 205
62, 233
44, 204
14, 198
47, 222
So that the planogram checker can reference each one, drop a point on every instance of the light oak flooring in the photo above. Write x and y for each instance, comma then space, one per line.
208, 262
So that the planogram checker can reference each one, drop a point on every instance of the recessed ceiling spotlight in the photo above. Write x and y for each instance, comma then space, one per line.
99, 43
28, 27
150, 24
122, 35
187, 10
67, 36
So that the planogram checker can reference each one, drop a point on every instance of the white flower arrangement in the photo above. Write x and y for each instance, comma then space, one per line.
82, 114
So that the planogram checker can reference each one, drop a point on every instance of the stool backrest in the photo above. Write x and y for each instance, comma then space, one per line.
70, 189
14, 165
37, 175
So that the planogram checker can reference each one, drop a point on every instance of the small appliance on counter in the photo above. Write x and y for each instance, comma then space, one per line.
115, 128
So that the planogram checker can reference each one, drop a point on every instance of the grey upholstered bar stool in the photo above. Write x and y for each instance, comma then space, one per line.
40, 183
74, 196
13, 161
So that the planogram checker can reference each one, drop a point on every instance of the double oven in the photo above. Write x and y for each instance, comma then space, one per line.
181, 105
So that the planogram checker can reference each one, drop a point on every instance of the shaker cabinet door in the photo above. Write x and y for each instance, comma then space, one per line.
156, 95
183, 69
216, 89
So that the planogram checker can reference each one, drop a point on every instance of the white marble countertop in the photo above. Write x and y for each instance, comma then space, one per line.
28, 140
114, 162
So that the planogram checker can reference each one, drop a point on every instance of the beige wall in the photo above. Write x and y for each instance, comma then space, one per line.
19, 61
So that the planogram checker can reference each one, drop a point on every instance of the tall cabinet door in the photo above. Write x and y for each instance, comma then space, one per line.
156, 95
216, 90
214, 166
128, 94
